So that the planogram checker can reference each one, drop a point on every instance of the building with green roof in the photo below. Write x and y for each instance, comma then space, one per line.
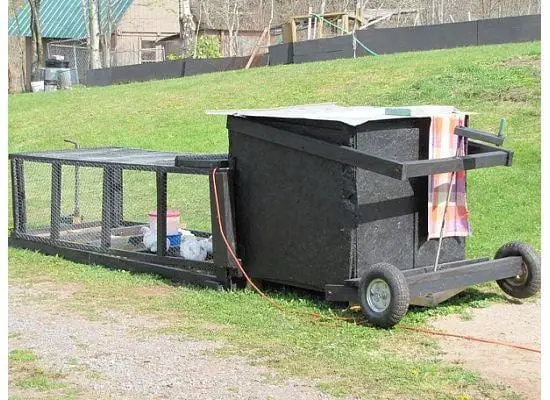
136, 26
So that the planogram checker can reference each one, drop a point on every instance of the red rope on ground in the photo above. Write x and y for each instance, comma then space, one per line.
476, 339
316, 316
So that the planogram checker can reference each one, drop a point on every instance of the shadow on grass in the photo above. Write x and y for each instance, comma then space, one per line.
462, 303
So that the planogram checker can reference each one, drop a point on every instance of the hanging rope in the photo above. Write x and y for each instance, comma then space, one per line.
352, 33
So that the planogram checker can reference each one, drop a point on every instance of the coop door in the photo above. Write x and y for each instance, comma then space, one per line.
386, 229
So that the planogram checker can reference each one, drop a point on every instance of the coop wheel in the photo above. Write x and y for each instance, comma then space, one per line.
383, 294
528, 283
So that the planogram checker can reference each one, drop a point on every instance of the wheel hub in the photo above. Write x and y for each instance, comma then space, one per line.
378, 295
519, 280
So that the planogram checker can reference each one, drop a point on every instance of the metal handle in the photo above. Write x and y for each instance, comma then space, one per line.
76, 145
470, 133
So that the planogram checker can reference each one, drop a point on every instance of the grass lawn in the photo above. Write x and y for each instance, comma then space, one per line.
493, 81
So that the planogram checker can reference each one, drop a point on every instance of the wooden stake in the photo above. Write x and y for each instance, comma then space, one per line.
314, 28
345, 22
321, 22
309, 23
256, 47
289, 31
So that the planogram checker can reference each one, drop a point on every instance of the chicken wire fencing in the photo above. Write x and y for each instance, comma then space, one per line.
70, 204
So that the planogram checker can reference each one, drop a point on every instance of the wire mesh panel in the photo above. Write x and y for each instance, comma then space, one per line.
81, 205
152, 55
139, 198
190, 195
36, 205
187, 199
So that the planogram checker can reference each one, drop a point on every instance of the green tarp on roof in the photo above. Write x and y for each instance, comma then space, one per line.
64, 19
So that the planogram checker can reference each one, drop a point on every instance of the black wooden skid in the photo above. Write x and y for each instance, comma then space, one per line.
434, 282
133, 264
424, 281
480, 155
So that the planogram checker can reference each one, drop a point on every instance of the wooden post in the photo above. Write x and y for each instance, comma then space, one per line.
321, 21
162, 179
55, 211
314, 35
289, 31
345, 23
107, 208
222, 44
309, 23
224, 186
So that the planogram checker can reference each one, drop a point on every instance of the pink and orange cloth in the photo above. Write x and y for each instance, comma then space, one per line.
443, 144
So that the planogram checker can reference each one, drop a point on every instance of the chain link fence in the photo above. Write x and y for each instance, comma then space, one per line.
77, 53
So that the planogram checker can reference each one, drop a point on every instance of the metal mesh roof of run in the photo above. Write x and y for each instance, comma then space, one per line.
64, 19
353, 116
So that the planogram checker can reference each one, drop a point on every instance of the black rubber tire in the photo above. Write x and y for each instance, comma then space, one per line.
531, 261
399, 290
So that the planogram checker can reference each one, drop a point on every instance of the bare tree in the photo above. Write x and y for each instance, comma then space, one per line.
93, 20
228, 12
21, 53
105, 31
187, 27
197, 29
36, 32
232, 21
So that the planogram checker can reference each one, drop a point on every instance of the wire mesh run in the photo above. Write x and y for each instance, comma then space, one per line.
107, 209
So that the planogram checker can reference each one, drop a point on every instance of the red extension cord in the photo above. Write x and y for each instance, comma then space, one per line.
316, 316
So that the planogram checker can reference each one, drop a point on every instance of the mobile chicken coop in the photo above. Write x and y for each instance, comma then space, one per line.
327, 198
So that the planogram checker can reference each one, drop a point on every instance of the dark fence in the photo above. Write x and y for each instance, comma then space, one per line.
382, 41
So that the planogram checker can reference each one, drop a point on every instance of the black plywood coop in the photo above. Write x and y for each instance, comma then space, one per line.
330, 218
332, 199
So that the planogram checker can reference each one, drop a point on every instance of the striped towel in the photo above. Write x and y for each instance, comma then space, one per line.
444, 143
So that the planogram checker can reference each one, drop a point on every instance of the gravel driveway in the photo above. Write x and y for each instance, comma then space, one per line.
118, 356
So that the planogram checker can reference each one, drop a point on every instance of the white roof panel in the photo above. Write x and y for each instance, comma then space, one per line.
353, 116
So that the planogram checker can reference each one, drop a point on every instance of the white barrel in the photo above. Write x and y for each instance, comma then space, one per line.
37, 86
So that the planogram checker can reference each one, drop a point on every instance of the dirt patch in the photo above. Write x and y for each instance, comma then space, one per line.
213, 327
517, 95
46, 289
522, 62
512, 323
